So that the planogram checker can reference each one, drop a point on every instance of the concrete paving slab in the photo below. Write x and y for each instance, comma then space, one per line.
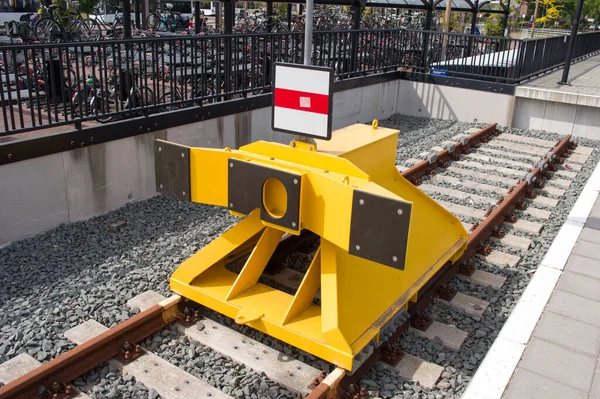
461, 210
590, 235
411, 368
564, 331
482, 176
559, 364
467, 304
528, 227
587, 249
514, 241
278, 366
525, 384
145, 300
481, 277
593, 222
168, 380
595, 390
451, 336
582, 265
575, 307
579, 284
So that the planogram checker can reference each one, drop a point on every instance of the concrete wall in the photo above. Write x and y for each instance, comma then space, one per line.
557, 111
41, 193
558, 117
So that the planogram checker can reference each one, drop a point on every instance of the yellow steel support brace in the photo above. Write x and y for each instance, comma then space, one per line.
381, 238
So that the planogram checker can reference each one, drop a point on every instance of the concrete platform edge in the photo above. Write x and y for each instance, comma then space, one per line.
496, 369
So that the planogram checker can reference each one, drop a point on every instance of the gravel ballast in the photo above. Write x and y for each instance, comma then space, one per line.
61, 278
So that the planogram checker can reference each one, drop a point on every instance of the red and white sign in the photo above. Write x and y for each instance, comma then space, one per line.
302, 100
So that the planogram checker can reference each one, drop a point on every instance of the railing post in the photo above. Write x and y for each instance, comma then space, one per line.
473, 26
289, 16
356, 11
197, 17
137, 13
127, 19
428, 19
228, 24
269, 15
505, 20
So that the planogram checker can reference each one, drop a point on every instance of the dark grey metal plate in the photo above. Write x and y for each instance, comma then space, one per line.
172, 168
245, 188
379, 229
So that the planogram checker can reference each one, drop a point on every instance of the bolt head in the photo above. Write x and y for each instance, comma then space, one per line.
182, 155
295, 181
231, 204
357, 247
394, 259
231, 164
361, 201
400, 212
294, 224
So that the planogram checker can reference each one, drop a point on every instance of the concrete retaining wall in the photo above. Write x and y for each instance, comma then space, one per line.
558, 117
42, 193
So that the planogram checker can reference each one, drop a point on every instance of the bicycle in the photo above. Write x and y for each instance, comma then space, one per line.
165, 19
114, 29
50, 30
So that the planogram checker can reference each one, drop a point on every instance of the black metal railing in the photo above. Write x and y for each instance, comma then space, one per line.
52, 85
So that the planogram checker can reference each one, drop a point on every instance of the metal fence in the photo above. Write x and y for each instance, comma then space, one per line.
73, 83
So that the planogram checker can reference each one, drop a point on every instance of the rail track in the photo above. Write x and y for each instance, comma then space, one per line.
496, 184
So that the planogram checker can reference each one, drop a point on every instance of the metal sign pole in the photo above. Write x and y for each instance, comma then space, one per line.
308, 30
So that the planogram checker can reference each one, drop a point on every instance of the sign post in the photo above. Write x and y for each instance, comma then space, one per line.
302, 100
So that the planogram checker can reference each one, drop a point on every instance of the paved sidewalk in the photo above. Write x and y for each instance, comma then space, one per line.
562, 358
584, 77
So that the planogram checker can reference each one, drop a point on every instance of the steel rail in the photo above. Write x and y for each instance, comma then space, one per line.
65, 368
477, 237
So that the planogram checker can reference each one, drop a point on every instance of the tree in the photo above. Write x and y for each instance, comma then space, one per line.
591, 11
552, 11
493, 25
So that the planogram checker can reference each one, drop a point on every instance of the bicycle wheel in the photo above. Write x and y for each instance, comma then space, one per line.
88, 30
117, 29
47, 30
153, 21
100, 104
